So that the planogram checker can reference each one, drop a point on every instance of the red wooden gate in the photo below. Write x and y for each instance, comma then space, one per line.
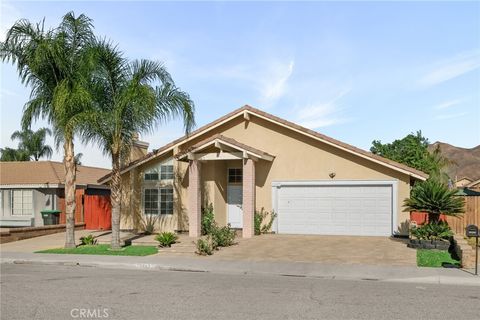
97, 212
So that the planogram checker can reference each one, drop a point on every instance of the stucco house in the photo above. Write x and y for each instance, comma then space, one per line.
28, 187
250, 159
474, 184
462, 182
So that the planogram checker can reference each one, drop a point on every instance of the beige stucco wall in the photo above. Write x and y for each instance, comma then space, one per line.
297, 157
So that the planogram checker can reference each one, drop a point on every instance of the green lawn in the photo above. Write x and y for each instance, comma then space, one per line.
434, 258
104, 249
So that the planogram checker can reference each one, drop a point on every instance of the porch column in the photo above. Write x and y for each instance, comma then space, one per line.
194, 199
248, 197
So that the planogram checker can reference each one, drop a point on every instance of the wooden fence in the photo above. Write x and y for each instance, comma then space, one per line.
471, 215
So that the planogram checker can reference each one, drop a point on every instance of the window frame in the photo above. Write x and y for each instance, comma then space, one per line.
238, 177
168, 175
161, 203
12, 203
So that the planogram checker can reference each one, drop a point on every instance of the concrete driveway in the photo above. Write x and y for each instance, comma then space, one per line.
325, 249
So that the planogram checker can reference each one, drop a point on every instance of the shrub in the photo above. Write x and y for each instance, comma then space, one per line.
260, 216
205, 246
435, 198
208, 220
88, 240
223, 236
432, 231
149, 222
166, 239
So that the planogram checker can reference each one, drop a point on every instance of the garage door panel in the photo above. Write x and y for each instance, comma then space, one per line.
335, 209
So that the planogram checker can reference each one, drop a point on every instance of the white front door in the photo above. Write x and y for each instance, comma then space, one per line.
234, 205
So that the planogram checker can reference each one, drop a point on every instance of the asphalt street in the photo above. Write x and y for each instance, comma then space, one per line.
64, 292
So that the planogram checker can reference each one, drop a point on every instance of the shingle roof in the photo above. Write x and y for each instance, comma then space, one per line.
270, 117
43, 172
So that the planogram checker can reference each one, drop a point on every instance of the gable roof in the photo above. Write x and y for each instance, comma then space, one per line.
246, 111
45, 172
229, 142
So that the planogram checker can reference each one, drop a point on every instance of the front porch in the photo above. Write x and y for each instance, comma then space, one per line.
222, 171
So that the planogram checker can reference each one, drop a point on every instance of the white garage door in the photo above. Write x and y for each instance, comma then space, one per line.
335, 209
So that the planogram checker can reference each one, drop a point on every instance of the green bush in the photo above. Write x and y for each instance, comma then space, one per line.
435, 198
223, 236
166, 239
205, 246
208, 220
259, 218
432, 231
88, 240
220, 236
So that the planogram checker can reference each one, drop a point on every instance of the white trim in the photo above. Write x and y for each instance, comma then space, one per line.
217, 156
393, 183
224, 146
331, 182
275, 207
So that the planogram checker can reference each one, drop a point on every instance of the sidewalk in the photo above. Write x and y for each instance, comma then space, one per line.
295, 269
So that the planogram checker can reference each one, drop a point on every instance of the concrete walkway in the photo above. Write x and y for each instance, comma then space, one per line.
56, 240
295, 269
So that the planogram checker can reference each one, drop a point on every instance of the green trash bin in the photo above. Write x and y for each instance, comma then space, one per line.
50, 217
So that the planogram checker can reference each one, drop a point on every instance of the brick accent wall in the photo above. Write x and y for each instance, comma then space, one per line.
248, 197
194, 199
15, 234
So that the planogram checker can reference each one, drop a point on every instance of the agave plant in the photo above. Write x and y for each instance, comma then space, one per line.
435, 198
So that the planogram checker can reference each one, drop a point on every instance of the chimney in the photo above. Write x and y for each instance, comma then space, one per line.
138, 149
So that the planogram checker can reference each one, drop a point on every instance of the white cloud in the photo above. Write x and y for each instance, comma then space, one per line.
274, 81
323, 114
451, 68
8, 16
448, 104
450, 116
268, 79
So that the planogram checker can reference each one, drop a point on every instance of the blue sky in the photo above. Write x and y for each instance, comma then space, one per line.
354, 71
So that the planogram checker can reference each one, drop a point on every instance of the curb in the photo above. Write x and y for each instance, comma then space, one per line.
435, 279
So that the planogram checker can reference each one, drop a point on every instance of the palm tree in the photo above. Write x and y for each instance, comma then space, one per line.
130, 98
56, 64
33, 142
435, 198
10, 154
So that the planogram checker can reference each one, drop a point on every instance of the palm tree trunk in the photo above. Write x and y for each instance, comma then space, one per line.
115, 194
70, 177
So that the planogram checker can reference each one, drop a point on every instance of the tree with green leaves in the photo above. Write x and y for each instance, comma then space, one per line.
33, 142
435, 198
10, 154
131, 97
412, 151
57, 65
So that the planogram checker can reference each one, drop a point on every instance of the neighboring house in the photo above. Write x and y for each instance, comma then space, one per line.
28, 187
248, 160
474, 184
462, 182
